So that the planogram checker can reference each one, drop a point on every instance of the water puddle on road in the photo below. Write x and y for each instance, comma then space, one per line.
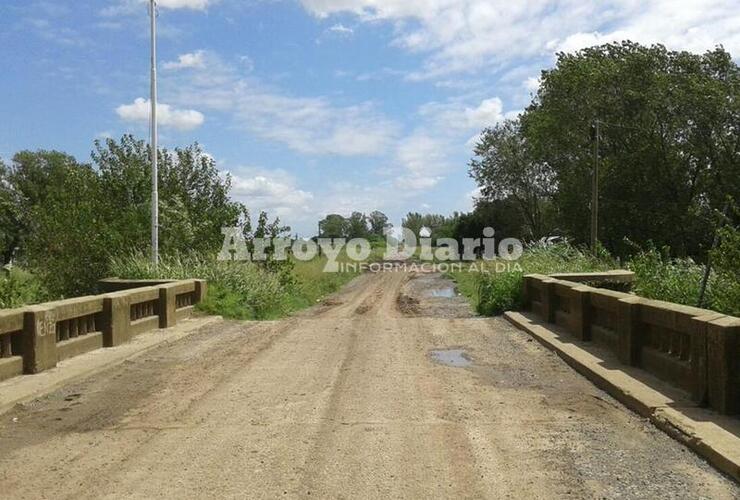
451, 357
447, 293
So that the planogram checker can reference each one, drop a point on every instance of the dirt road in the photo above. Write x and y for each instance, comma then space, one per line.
346, 400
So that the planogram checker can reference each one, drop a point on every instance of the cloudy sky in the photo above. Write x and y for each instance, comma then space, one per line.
314, 106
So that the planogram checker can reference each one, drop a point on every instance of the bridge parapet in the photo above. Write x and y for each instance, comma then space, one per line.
694, 349
36, 338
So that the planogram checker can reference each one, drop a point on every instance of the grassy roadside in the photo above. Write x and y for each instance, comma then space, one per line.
246, 290
493, 289
657, 276
313, 285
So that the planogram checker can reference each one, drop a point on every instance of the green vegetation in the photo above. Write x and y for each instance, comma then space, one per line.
64, 220
242, 290
494, 292
657, 276
668, 150
19, 287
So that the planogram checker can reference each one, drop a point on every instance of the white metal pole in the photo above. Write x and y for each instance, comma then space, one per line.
155, 192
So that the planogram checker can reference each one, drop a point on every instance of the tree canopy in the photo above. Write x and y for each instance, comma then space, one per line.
669, 148
66, 219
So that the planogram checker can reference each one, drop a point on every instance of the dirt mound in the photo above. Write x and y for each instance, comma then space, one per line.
407, 305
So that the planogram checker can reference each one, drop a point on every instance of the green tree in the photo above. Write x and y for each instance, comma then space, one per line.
68, 238
333, 226
669, 147
194, 196
11, 217
378, 222
357, 226
504, 168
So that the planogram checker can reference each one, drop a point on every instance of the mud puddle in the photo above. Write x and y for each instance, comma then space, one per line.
451, 357
446, 293
432, 295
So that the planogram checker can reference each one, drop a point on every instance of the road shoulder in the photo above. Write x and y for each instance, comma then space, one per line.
25, 388
712, 436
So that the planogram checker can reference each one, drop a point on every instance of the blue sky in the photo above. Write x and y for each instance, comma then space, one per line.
314, 106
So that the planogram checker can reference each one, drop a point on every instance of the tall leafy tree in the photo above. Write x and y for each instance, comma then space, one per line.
194, 196
333, 226
668, 143
357, 226
378, 222
505, 169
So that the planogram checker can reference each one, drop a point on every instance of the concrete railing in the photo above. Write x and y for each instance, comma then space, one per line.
614, 276
36, 338
694, 349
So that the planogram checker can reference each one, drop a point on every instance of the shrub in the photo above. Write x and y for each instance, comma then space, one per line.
660, 277
725, 259
19, 287
242, 290
499, 292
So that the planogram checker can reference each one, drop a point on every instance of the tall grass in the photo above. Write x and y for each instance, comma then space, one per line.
657, 276
19, 287
499, 292
240, 290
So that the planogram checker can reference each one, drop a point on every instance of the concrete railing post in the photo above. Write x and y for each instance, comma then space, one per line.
201, 290
581, 312
116, 319
40, 339
167, 305
628, 330
698, 357
549, 299
723, 368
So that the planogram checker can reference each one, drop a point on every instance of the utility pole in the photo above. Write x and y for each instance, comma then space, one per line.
155, 191
595, 189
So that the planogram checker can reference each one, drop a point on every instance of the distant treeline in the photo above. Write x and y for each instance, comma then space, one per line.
357, 225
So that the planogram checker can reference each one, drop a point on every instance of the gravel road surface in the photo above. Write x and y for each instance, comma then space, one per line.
390, 389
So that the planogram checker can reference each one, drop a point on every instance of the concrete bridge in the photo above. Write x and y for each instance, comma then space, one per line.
391, 388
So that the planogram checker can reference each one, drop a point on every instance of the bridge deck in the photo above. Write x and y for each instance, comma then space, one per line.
345, 400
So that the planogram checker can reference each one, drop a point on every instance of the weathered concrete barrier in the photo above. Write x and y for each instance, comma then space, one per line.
694, 349
36, 338
118, 284
614, 276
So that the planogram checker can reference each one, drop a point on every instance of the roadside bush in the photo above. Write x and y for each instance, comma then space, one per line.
19, 287
502, 291
660, 277
241, 290
725, 290
499, 292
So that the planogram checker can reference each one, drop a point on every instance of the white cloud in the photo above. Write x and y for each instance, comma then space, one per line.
468, 35
424, 158
310, 125
273, 191
341, 29
488, 112
456, 114
532, 83
181, 119
189, 60
185, 4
